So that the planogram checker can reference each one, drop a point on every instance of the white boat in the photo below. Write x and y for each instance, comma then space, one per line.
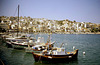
39, 46
37, 43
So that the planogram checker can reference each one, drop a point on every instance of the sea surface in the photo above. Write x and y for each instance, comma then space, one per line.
88, 43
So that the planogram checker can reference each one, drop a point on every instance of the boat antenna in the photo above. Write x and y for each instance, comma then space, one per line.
48, 41
18, 22
62, 45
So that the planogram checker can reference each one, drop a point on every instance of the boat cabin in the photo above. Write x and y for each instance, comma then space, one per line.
59, 51
39, 47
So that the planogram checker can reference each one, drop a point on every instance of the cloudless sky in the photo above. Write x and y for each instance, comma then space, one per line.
78, 10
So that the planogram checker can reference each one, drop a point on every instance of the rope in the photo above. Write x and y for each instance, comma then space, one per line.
2, 62
39, 59
15, 11
21, 11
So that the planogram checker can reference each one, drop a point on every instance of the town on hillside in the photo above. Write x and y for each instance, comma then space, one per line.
42, 25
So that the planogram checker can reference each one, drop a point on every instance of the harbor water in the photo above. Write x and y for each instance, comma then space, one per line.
88, 43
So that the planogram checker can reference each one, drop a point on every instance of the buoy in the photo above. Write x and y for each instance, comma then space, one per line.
73, 47
83, 53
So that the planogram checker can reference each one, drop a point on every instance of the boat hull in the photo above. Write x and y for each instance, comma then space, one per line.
8, 44
55, 58
19, 46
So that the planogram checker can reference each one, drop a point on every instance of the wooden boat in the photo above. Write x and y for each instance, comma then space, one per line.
39, 46
56, 56
35, 49
37, 43
19, 41
20, 44
13, 40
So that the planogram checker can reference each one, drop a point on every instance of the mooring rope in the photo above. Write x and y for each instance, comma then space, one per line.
39, 59
2, 62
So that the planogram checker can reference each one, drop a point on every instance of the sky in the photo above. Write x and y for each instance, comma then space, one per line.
78, 10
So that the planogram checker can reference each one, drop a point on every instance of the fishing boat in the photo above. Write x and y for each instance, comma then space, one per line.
10, 40
40, 48
19, 41
21, 44
40, 45
59, 55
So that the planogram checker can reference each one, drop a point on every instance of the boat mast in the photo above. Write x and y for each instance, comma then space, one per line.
18, 22
49, 39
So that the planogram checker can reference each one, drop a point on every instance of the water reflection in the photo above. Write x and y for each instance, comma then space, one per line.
72, 62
